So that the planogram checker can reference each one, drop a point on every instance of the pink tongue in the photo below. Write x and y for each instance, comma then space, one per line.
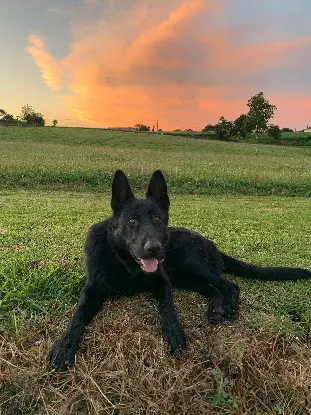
149, 265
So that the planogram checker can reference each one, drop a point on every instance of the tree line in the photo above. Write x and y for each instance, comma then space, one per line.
28, 116
260, 111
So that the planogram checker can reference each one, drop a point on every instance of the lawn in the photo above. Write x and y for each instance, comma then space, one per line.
259, 364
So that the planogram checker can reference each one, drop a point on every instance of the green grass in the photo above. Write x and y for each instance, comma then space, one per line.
56, 158
44, 233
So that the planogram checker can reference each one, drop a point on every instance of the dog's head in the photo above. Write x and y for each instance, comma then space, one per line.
140, 225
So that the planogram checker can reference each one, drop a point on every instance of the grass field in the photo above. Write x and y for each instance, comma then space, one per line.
252, 200
56, 158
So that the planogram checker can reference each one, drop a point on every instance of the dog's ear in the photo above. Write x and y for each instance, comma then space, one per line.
157, 190
121, 191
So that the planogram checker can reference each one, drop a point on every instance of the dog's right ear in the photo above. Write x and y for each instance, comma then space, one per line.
121, 191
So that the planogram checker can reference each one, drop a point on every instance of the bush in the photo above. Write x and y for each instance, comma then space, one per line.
142, 127
274, 132
243, 125
224, 129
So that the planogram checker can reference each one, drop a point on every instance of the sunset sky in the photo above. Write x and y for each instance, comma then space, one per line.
109, 63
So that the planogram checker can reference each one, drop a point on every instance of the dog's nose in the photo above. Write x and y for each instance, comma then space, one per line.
152, 247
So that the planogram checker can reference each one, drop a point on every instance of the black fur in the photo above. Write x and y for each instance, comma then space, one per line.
135, 251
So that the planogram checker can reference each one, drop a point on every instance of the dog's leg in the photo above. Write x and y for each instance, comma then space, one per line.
64, 350
230, 296
216, 307
232, 304
173, 333
225, 294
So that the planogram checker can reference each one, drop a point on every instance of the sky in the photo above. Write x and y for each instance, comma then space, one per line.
116, 63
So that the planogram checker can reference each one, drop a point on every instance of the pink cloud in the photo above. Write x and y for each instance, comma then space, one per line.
165, 64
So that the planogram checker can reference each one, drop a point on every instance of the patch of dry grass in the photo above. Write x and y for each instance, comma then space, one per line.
122, 367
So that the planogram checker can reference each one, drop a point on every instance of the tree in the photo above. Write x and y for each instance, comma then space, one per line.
287, 130
242, 126
54, 123
142, 127
260, 112
8, 117
26, 112
224, 129
274, 132
29, 114
37, 119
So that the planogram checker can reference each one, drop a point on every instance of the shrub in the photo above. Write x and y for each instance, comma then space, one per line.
224, 129
274, 132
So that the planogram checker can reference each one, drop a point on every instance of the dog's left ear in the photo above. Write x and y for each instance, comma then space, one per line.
157, 190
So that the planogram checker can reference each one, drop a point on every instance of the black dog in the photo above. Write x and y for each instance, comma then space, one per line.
135, 251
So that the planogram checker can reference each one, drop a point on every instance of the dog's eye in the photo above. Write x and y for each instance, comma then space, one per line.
156, 219
132, 221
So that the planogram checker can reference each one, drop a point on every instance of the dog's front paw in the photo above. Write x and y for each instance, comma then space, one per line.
62, 354
176, 339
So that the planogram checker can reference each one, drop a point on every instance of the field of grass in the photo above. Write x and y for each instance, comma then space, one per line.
49, 197
58, 158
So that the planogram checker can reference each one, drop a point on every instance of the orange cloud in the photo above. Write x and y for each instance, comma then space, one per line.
266, 55
159, 61
51, 70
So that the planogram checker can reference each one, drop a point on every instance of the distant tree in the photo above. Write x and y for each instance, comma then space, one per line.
209, 127
26, 112
8, 117
274, 132
287, 130
29, 115
142, 127
224, 129
55, 122
242, 126
37, 119
260, 112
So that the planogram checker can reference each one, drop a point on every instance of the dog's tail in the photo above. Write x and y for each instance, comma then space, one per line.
242, 269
